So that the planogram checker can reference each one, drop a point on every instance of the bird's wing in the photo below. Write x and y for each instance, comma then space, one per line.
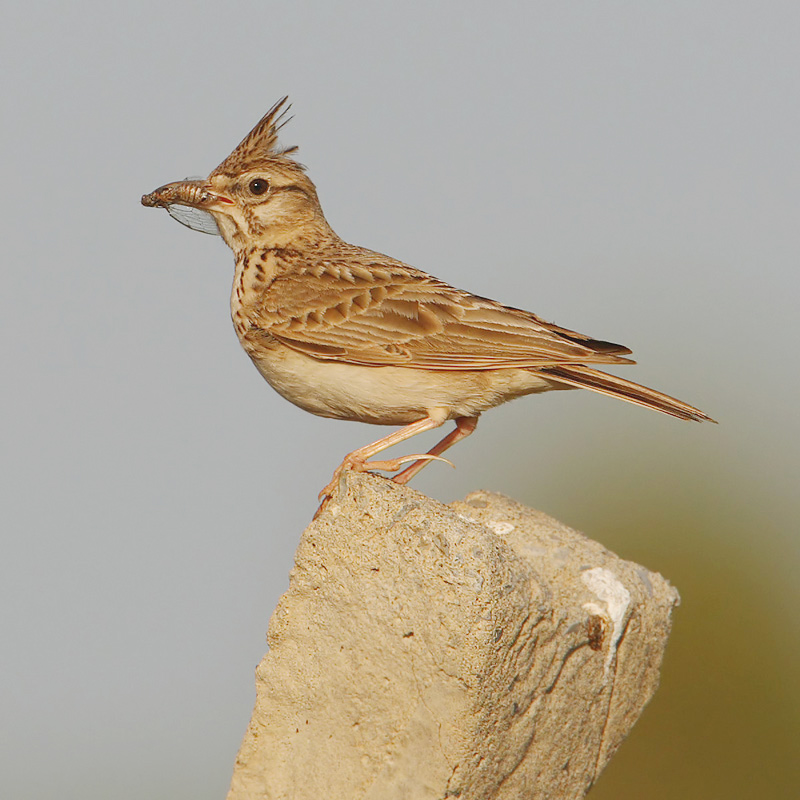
386, 313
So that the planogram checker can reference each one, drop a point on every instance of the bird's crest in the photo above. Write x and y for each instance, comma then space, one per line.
261, 144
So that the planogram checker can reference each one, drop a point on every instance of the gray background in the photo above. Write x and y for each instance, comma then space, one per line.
627, 169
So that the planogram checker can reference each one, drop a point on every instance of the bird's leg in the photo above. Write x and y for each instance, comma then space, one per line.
359, 461
464, 427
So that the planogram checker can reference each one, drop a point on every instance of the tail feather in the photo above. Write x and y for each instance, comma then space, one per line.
602, 382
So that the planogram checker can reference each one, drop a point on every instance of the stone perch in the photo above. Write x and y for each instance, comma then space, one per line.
480, 650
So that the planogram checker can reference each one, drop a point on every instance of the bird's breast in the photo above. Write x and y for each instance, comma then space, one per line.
255, 271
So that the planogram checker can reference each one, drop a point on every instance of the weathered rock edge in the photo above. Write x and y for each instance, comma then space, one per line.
480, 650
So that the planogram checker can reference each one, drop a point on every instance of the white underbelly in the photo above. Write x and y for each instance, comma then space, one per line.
390, 395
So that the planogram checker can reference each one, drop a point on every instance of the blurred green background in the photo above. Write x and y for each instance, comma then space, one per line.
628, 170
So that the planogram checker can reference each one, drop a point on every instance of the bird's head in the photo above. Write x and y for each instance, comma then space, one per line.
258, 195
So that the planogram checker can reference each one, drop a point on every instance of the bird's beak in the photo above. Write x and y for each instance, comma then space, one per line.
194, 193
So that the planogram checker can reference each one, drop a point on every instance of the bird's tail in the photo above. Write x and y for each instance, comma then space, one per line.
588, 378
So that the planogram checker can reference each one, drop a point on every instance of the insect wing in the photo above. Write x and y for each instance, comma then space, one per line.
194, 218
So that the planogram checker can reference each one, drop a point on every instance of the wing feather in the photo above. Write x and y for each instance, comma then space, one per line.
387, 313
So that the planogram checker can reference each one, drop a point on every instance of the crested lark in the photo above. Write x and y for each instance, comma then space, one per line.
348, 333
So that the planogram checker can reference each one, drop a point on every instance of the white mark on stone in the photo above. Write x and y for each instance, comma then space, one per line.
644, 575
501, 528
616, 597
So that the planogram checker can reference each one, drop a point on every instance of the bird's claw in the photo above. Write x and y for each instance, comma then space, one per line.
392, 465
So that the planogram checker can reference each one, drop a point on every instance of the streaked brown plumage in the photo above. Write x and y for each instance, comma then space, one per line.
348, 333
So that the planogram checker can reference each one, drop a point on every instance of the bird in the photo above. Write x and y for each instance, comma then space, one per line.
348, 333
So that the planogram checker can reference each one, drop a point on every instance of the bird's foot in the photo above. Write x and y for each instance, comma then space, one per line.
362, 465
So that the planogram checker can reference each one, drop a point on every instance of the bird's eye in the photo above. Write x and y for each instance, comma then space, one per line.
258, 185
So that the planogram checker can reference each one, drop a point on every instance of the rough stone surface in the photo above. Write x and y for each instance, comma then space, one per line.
480, 650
